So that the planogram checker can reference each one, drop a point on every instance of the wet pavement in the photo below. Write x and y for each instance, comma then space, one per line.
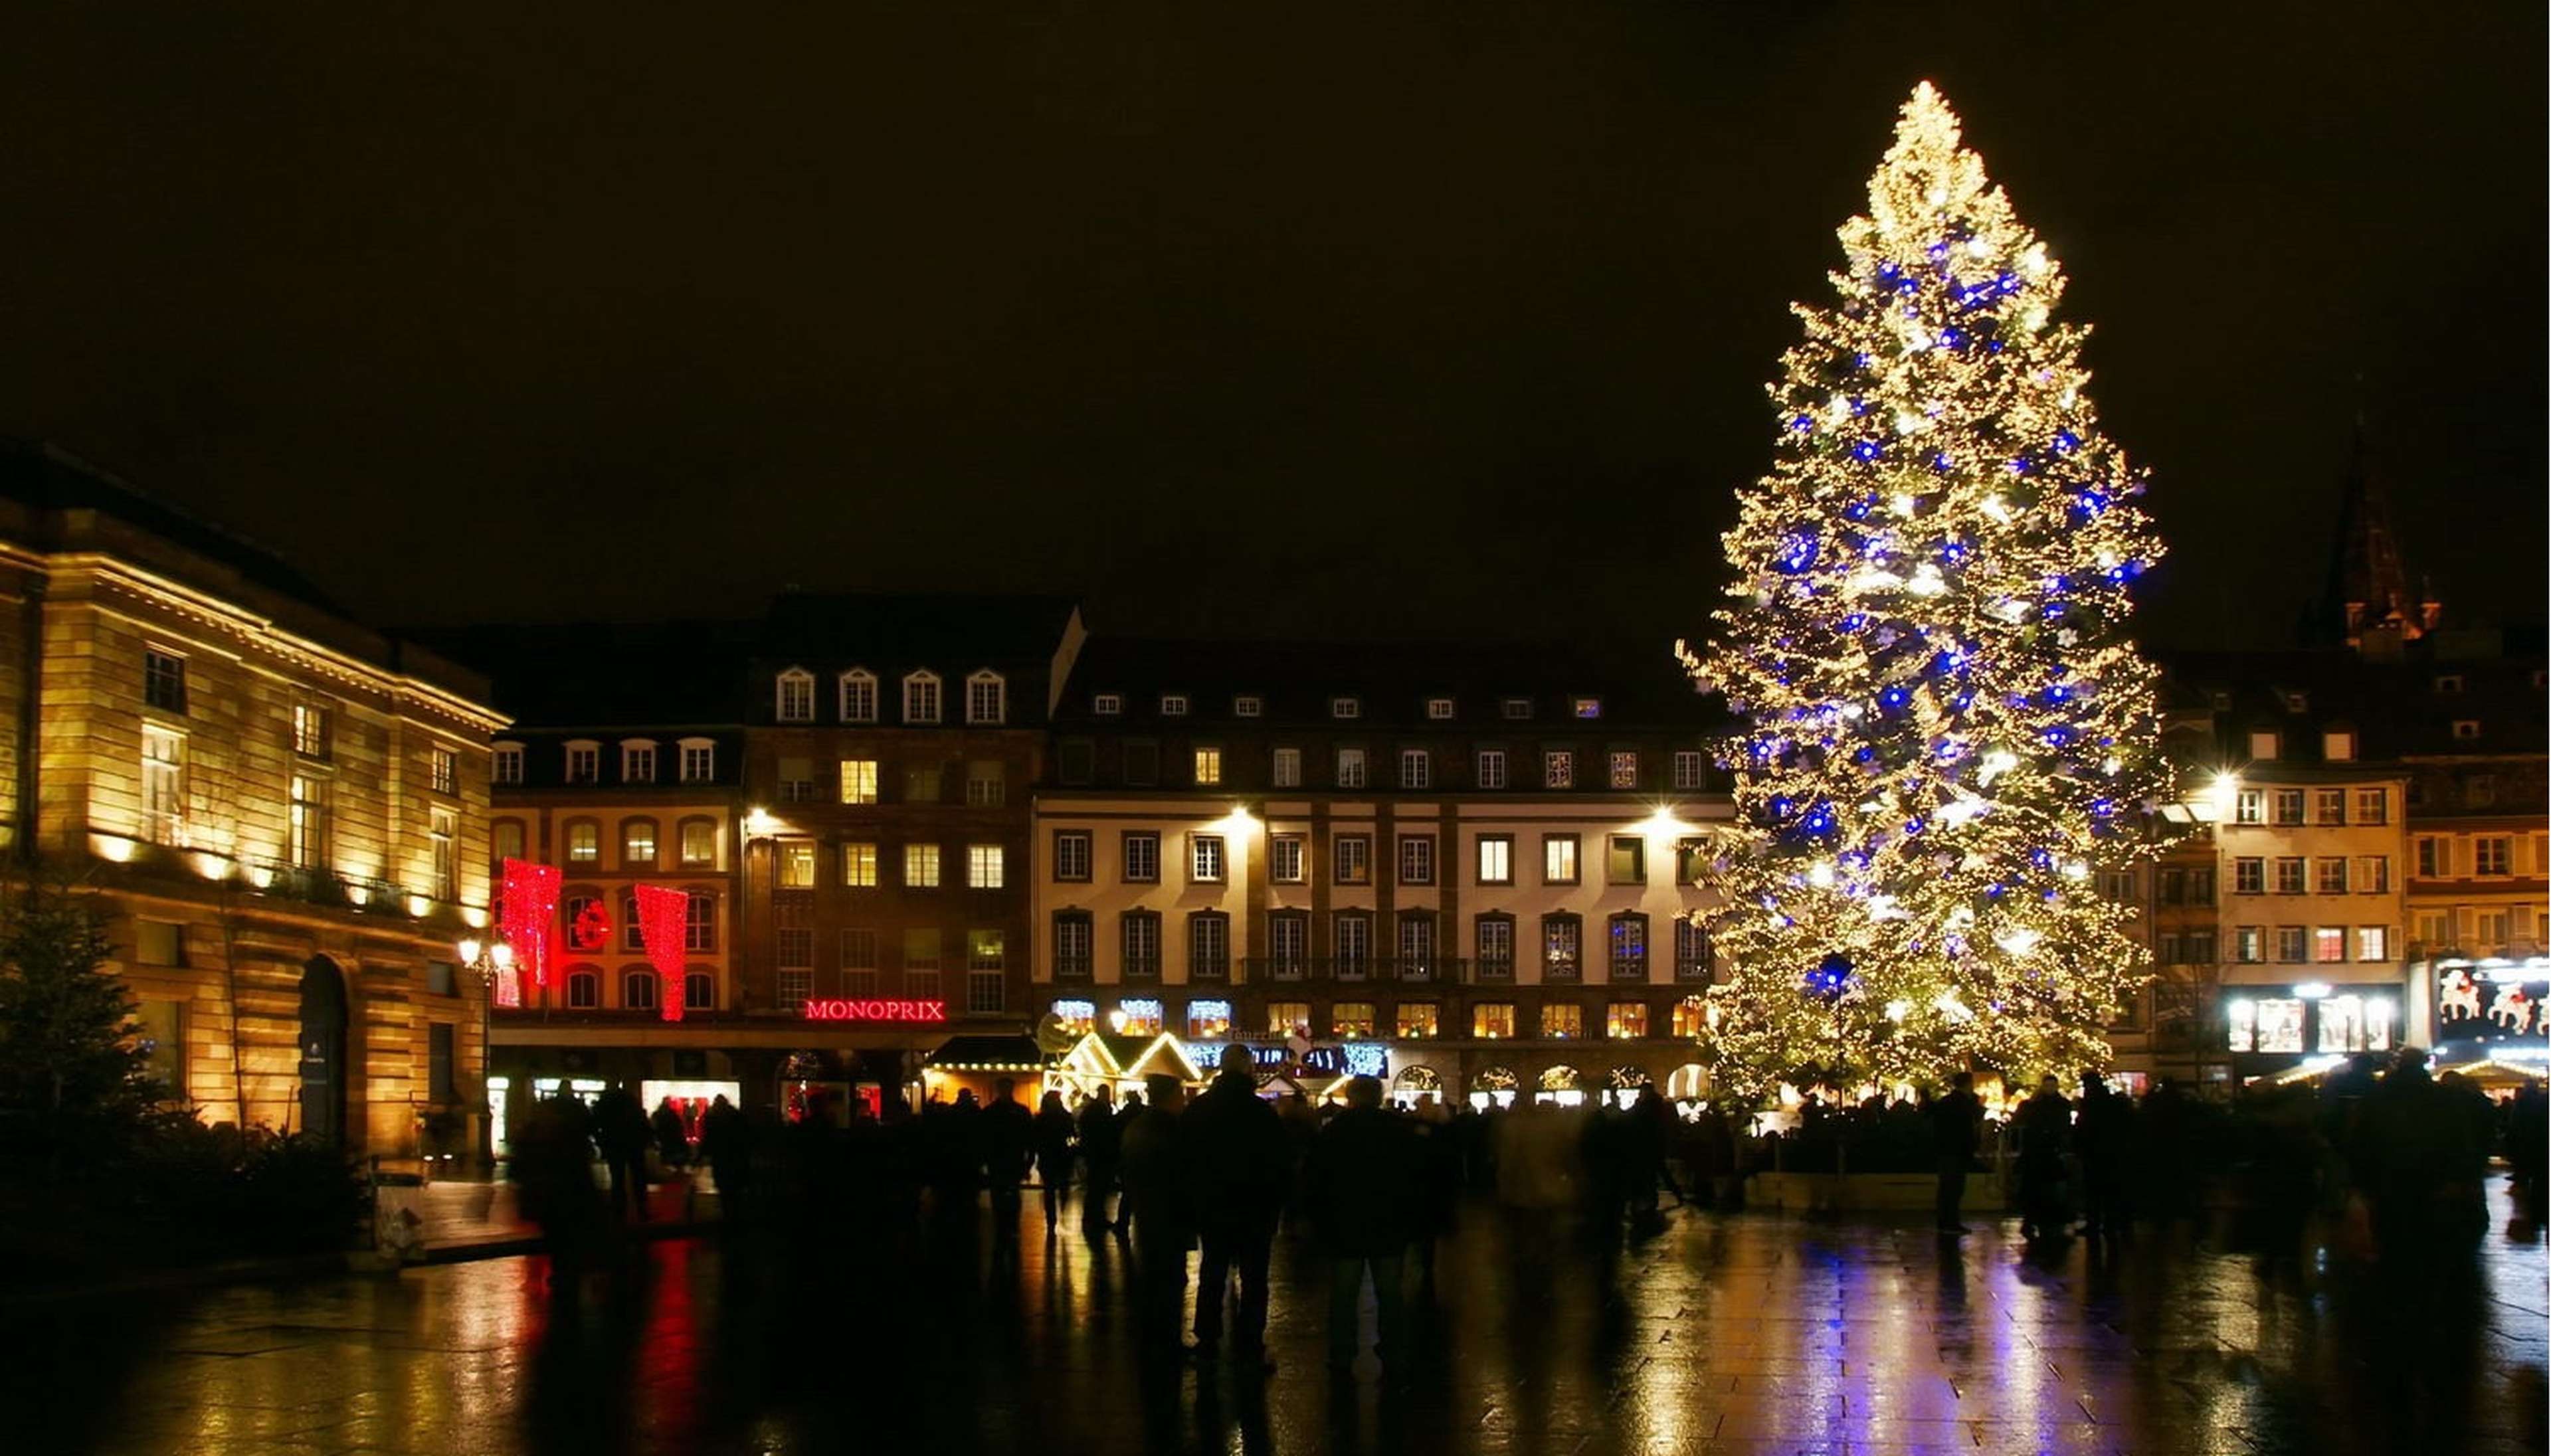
1723, 1333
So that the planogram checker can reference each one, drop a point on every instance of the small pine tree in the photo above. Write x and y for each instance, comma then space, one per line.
1944, 731
74, 1085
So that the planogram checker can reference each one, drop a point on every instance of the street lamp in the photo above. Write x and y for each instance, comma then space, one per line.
490, 958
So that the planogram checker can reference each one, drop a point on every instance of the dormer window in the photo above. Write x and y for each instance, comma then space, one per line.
1107, 704
1515, 709
1438, 708
505, 765
987, 699
2297, 702
859, 696
583, 760
796, 696
2263, 742
1346, 707
1585, 707
2467, 729
2449, 682
1248, 706
2338, 744
699, 760
921, 696
1174, 704
638, 761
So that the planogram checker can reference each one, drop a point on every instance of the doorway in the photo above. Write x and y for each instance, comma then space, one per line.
323, 1050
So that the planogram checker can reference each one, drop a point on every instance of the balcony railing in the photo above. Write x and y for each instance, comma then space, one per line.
1401, 971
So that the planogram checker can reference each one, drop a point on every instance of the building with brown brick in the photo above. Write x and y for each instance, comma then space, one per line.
283, 812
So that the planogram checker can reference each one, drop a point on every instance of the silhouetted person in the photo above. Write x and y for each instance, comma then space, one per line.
727, 1143
673, 1141
620, 1130
1362, 1187
1439, 1179
1052, 1138
2529, 1152
1957, 1122
1237, 1147
1160, 1199
2170, 1152
1650, 1136
1008, 1136
1102, 1132
2045, 1124
2106, 1141
553, 1172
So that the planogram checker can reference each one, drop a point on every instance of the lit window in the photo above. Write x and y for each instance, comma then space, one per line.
699, 841
443, 837
1287, 771
164, 785
310, 730
2338, 744
1625, 1020
987, 959
306, 825
2249, 806
1559, 769
795, 701
1350, 767
983, 866
1493, 1020
1560, 1021
1351, 1019
1288, 1018
1208, 1020
1418, 1020
583, 842
1209, 766
505, 839
858, 781
2263, 742
2373, 942
1559, 858
796, 863
1495, 859
1204, 857
1586, 707
987, 699
2329, 943
638, 844
1626, 771
921, 697
859, 700
921, 866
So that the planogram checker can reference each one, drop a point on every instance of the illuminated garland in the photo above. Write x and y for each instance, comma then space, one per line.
530, 905
1945, 732
663, 915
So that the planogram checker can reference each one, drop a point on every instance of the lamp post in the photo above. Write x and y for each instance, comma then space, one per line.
490, 958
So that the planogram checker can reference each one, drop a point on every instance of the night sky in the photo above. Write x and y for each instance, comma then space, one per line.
1388, 318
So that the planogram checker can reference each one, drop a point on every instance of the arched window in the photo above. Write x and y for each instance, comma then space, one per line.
585, 930
796, 696
638, 844
583, 990
859, 695
505, 839
637, 990
988, 697
700, 991
697, 845
921, 696
633, 936
700, 921
584, 840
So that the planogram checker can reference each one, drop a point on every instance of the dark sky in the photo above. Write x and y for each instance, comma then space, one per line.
1383, 318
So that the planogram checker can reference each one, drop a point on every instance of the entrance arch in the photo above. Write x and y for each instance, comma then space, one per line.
1563, 1084
1493, 1086
323, 1050
1687, 1081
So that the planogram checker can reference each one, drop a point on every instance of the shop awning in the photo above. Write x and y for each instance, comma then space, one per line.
1012, 1053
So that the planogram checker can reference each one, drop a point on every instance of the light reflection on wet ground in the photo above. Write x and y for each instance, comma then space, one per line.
1723, 1333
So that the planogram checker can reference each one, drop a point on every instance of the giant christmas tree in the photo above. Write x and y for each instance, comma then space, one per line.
1944, 733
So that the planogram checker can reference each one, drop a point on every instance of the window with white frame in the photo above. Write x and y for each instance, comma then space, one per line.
1204, 859
858, 781
699, 760
700, 921
1416, 768
164, 785
2250, 875
2374, 942
1287, 768
921, 867
1491, 770
2329, 806
1626, 771
1071, 858
987, 784
921, 696
2289, 805
2329, 944
505, 763
1346, 707
2290, 873
1141, 853
984, 866
583, 842
1351, 859
2373, 806
2491, 855
638, 761
1687, 767
1285, 859
796, 696
1174, 704
859, 866
2290, 942
1496, 859
1559, 769
1515, 709
1350, 767
636, 844
1417, 859
583, 760
442, 770
698, 842
987, 699
1438, 708
1209, 946
2250, 807
1107, 704
1248, 705
2329, 874
858, 690
796, 863
2373, 874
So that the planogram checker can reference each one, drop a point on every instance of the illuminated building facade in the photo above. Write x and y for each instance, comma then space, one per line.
1471, 869
284, 812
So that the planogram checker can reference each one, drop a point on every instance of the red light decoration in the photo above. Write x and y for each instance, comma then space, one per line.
866, 1009
592, 928
528, 914
661, 915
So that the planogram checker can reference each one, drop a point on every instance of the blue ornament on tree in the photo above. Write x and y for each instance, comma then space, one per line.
1830, 978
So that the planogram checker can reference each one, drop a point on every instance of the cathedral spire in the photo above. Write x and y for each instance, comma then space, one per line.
2370, 590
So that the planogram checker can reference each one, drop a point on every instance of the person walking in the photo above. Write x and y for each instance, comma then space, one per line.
553, 1172
1362, 1187
1160, 1203
1957, 1123
672, 1140
1008, 1132
726, 1141
620, 1130
1237, 1147
1102, 1134
1052, 1136
2105, 1140
2045, 1128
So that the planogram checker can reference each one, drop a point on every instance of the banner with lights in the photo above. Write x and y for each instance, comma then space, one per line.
663, 915
839, 1008
528, 904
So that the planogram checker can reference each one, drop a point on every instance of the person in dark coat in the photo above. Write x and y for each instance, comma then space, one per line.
727, 1143
1160, 1202
1008, 1133
2528, 1153
1362, 1187
1241, 1158
2045, 1128
672, 1140
552, 1171
620, 1130
2106, 1141
1102, 1134
1052, 1136
1957, 1122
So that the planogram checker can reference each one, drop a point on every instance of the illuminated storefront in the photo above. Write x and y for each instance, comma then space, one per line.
2490, 1013
2273, 1028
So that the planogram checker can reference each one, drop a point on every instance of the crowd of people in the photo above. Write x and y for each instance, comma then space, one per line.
2391, 1157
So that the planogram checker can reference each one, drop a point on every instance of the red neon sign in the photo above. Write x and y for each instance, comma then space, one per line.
839, 1009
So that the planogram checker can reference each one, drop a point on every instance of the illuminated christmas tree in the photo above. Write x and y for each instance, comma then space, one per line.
1945, 732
